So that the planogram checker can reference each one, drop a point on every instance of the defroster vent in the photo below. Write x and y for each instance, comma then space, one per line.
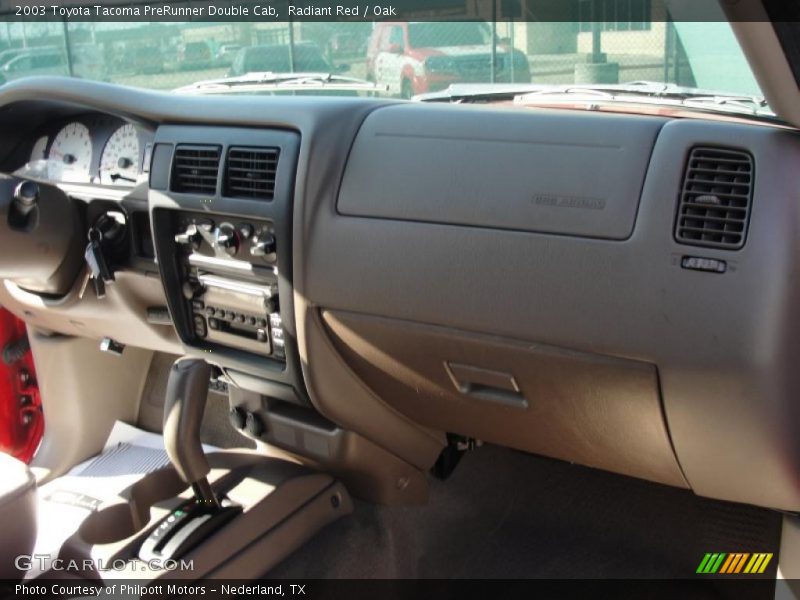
716, 198
250, 172
195, 169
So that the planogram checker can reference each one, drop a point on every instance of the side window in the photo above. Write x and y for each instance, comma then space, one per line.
383, 41
46, 61
392, 36
396, 37
375, 41
21, 64
249, 63
238, 63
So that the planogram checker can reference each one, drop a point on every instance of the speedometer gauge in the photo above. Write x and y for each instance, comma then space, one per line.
70, 157
119, 163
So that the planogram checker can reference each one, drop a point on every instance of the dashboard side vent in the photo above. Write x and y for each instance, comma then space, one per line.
716, 198
250, 172
195, 169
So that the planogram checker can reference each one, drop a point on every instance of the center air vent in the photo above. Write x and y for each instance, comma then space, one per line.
250, 172
716, 198
195, 169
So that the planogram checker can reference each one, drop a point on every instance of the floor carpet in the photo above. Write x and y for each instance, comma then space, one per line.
506, 514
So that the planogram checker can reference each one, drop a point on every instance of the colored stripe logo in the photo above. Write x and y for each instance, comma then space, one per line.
734, 563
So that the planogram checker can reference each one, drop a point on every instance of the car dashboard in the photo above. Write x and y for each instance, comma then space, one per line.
618, 291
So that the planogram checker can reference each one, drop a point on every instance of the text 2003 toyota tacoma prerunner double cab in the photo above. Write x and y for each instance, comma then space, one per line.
291, 325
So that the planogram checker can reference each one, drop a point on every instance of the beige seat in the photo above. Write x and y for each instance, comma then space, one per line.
17, 514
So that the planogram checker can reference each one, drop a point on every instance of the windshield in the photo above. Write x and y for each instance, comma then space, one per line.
631, 43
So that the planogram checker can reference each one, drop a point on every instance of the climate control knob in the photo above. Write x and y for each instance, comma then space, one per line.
226, 239
263, 245
190, 237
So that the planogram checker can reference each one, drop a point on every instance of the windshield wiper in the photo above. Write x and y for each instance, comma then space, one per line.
756, 105
269, 81
638, 91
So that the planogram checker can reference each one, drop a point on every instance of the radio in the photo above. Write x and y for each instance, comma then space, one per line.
229, 279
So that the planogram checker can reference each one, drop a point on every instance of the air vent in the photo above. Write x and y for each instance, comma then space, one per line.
195, 169
715, 201
251, 172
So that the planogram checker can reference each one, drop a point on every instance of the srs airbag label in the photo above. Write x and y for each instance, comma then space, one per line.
569, 201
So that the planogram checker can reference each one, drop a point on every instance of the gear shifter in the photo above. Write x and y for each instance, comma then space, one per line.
197, 519
187, 391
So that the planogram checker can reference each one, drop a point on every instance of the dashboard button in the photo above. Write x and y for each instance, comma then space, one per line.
200, 326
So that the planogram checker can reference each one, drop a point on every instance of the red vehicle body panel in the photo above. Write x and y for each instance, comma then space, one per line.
21, 418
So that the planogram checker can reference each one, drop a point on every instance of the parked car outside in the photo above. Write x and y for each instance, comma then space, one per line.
11, 53
344, 44
226, 53
417, 57
275, 58
195, 55
87, 62
36, 62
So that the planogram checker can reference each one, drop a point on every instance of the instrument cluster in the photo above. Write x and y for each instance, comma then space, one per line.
97, 149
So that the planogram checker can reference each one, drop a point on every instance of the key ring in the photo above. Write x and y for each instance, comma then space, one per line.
95, 235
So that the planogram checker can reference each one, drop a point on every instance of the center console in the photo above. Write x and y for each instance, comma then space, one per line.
221, 208
230, 514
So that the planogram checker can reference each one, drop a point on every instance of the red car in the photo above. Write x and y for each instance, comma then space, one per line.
414, 58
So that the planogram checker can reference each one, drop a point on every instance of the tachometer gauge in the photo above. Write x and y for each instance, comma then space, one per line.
70, 157
39, 148
119, 163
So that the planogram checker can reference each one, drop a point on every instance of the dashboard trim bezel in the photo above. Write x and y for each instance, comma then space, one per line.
165, 205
